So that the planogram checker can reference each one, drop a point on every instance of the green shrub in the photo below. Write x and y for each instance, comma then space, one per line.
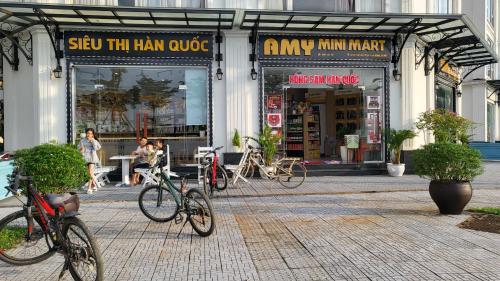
448, 162
54, 168
446, 126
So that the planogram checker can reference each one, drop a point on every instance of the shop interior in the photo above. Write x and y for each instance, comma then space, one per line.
330, 126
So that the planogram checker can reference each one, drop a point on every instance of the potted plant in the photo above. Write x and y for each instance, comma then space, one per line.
236, 141
268, 142
449, 163
394, 140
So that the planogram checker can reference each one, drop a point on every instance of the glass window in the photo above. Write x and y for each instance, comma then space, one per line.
491, 122
315, 108
490, 69
273, 4
443, 6
324, 6
124, 103
445, 97
370, 6
130, 3
163, 3
490, 14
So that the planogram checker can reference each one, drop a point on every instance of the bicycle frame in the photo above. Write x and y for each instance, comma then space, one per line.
275, 165
45, 211
171, 187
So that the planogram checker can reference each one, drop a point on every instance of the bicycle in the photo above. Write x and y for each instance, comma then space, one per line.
288, 171
164, 202
214, 175
47, 225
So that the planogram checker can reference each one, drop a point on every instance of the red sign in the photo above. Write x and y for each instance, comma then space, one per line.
273, 102
352, 79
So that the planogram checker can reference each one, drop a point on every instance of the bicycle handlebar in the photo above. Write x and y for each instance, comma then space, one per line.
212, 151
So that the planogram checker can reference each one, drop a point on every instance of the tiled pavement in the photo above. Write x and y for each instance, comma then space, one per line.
361, 236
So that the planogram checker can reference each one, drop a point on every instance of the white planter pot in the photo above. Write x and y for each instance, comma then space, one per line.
395, 170
343, 153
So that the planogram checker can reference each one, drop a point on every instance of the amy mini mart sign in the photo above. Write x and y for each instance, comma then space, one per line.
324, 47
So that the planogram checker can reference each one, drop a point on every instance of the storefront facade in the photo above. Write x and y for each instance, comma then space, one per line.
328, 84
318, 89
132, 84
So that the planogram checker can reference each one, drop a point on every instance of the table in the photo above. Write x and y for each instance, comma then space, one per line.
125, 167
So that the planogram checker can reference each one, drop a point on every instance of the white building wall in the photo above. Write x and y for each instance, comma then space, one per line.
242, 93
51, 92
21, 117
475, 94
35, 101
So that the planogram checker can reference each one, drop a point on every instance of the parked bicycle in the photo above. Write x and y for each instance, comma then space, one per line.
288, 171
47, 225
165, 201
214, 175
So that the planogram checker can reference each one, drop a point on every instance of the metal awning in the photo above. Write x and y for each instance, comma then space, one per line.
17, 18
495, 84
454, 37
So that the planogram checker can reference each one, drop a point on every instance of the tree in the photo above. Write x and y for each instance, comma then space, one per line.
155, 94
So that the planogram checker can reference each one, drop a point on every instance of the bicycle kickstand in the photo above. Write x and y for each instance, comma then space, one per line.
64, 269
182, 228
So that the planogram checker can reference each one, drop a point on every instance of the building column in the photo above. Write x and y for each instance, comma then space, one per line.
242, 97
496, 124
49, 92
413, 92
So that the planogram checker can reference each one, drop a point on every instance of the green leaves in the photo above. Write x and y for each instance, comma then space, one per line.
236, 138
448, 162
11, 236
395, 139
446, 126
449, 159
269, 144
55, 168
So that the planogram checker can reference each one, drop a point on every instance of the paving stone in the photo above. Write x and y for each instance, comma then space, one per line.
376, 236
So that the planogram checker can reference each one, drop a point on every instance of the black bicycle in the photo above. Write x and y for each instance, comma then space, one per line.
47, 225
164, 202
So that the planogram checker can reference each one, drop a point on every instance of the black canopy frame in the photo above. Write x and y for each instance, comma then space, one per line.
495, 84
17, 18
452, 37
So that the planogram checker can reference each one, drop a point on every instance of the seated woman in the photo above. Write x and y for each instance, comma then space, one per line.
148, 160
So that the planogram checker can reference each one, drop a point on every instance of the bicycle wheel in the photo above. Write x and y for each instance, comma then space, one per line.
221, 178
15, 248
158, 204
200, 212
207, 180
84, 256
291, 174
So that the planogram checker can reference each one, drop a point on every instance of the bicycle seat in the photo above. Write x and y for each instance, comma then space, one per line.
69, 202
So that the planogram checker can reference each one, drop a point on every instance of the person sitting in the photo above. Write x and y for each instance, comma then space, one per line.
140, 162
159, 145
